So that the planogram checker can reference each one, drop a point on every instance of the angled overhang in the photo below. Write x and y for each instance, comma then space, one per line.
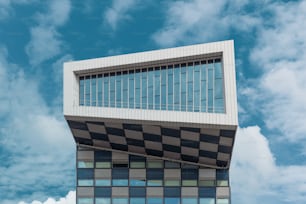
193, 137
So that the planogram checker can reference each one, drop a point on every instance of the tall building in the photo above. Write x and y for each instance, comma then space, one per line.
154, 127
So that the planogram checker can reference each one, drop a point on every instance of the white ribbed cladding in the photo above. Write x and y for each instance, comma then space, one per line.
224, 48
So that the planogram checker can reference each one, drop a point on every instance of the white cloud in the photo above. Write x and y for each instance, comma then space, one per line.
280, 53
45, 40
38, 149
69, 199
6, 7
119, 11
255, 176
200, 20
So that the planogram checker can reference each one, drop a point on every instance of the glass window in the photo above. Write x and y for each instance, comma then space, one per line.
103, 201
85, 182
103, 165
131, 89
183, 87
189, 182
137, 192
172, 191
190, 88
85, 173
118, 90
207, 200
144, 89
154, 182
106, 90
103, 182
139, 165
137, 200
150, 88
207, 192
206, 183
222, 182
172, 165
85, 164
137, 88
112, 86
157, 88
81, 93
125, 90
102, 155
222, 201
170, 87
172, 182
172, 200
87, 90
85, 201
210, 86
155, 164
189, 201
100, 87
103, 192
163, 88
93, 90
137, 182
203, 88
154, 200
120, 200
176, 87
196, 96
120, 182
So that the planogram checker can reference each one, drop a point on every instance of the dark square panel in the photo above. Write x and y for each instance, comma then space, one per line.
139, 143
222, 174
190, 143
98, 136
224, 149
119, 147
114, 131
120, 173
171, 148
155, 174
152, 137
208, 154
85, 173
189, 158
154, 152
190, 129
134, 127
77, 125
137, 192
170, 132
207, 192
83, 141
228, 133
209, 138
172, 192
190, 174
221, 163
101, 155
96, 123
103, 192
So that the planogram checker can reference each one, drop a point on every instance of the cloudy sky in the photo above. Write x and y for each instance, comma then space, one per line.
37, 153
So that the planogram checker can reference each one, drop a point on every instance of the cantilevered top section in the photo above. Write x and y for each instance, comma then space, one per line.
177, 103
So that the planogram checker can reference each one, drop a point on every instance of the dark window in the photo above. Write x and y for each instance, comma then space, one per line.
120, 173
172, 191
103, 192
207, 192
137, 192
85, 173
103, 156
155, 174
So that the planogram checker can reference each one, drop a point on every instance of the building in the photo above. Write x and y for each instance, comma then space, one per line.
154, 127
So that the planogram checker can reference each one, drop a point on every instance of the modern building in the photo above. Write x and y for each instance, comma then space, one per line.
154, 127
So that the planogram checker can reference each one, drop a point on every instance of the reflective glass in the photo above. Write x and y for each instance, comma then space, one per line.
106, 91
85, 201
125, 90
177, 88
157, 89
207, 183
120, 200
112, 89
87, 90
203, 88
81, 91
103, 201
155, 164
189, 201
222, 201
207, 200
137, 200
222, 183
189, 182
118, 90
172, 200
144, 89
137, 182
196, 96
120, 182
131, 89
154, 200
154, 182
150, 89
170, 88
137, 89
85, 164
190, 88
85, 182
103, 165
103, 182
183, 88
93, 90
137, 165
164, 88
99, 87
172, 182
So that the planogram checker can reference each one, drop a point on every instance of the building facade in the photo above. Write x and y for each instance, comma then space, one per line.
154, 127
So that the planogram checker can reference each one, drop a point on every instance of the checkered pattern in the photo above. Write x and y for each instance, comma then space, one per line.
198, 145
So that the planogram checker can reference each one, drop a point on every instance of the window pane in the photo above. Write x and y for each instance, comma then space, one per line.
154, 200
203, 88
197, 85
207, 183
222, 201
176, 88
120, 201
85, 182
190, 88
222, 183
170, 88
103, 165
137, 165
172, 200
87, 90
155, 164
131, 89
106, 90
150, 89
189, 200
125, 90
85, 200
137, 89
118, 90
137, 200
164, 88
183, 88
103, 182
93, 90
144, 89
103, 201
112, 89
157, 89
137, 182
100, 88
207, 201
189, 183
85, 164
172, 182
154, 182
81, 91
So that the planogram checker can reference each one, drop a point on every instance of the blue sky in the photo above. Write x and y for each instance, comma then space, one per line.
37, 150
